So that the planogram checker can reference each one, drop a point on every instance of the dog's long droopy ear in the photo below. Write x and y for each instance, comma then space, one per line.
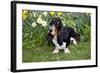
59, 38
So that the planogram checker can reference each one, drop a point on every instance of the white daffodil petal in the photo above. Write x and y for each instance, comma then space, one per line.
39, 20
45, 13
34, 24
44, 23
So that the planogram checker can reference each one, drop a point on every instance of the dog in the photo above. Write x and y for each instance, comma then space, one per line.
61, 36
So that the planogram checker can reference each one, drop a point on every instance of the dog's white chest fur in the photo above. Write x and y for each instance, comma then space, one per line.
57, 45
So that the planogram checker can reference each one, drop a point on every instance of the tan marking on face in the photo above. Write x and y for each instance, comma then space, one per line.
54, 31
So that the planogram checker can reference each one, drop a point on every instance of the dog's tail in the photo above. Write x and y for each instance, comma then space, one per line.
75, 37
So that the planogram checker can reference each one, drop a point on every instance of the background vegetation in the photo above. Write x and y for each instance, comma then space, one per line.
35, 28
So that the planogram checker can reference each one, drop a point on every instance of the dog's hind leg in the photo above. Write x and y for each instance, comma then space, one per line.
66, 50
73, 40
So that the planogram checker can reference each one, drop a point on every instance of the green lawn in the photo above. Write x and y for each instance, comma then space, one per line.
81, 51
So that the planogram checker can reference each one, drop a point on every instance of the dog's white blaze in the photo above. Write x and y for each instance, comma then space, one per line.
74, 40
57, 45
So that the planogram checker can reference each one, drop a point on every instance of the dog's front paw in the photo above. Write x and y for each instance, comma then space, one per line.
66, 51
56, 51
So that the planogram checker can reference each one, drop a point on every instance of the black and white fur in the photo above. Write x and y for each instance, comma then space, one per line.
61, 36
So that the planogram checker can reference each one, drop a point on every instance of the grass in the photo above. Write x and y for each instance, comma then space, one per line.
82, 51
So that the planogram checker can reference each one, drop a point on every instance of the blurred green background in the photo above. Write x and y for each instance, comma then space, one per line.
35, 29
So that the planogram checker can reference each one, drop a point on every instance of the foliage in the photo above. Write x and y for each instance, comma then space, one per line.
36, 23
81, 51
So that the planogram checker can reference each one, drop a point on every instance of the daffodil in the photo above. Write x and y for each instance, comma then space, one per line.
44, 23
52, 13
24, 14
45, 13
24, 17
39, 20
34, 24
60, 13
25, 11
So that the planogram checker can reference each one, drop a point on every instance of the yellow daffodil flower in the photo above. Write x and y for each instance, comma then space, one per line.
60, 13
24, 14
52, 13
